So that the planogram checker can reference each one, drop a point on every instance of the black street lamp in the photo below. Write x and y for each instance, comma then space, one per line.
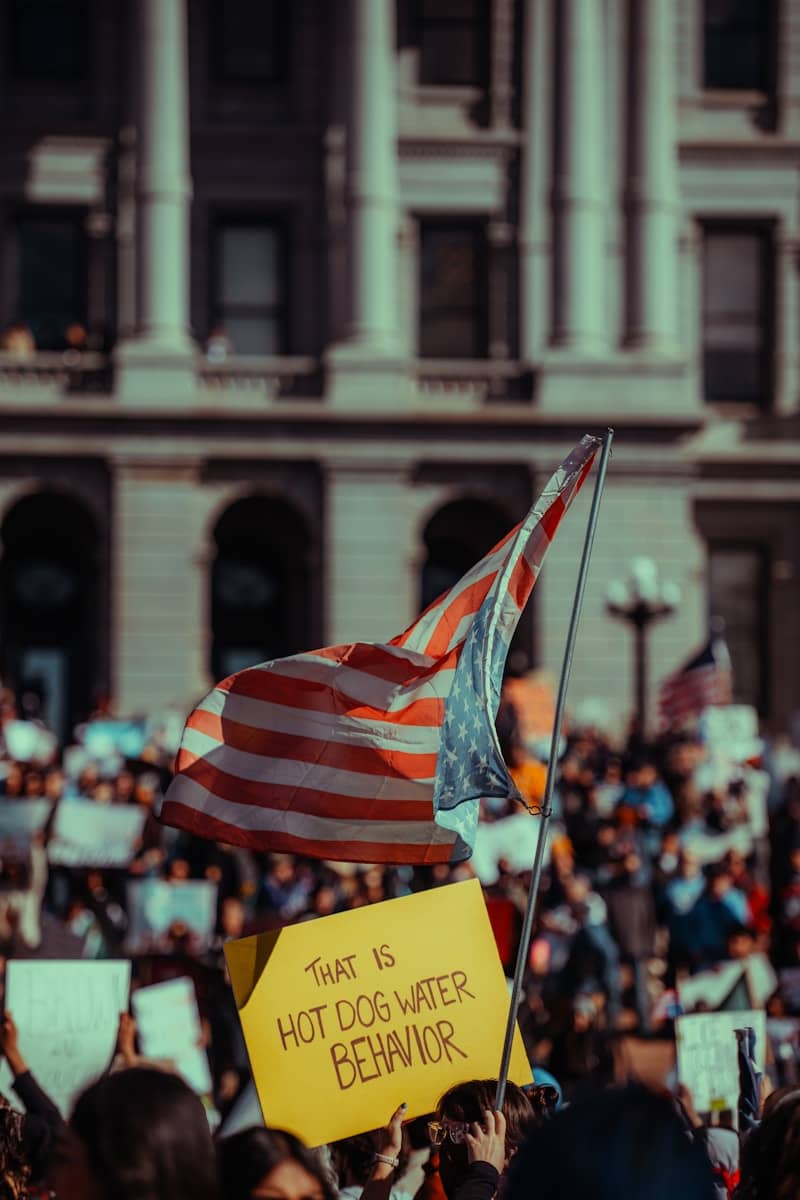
640, 600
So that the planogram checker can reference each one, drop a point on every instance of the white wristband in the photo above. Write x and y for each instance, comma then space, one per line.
386, 1158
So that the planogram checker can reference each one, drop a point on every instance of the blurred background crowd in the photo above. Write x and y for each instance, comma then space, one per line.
672, 882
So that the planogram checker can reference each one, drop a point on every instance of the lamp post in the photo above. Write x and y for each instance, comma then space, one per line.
640, 600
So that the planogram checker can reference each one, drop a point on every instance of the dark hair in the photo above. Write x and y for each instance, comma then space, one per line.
246, 1157
146, 1136
771, 1153
468, 1102
621, 1142
14, 1171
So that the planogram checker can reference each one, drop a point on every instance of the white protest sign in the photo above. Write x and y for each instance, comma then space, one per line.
512, 840
86, 834
710, 988
154, 906
731, 731
20, 821
168, 1024
708, 1059
246, 1112
67, 1015
29, 742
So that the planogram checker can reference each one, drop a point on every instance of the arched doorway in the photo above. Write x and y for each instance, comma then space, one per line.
455, 538
49, 606
260, 598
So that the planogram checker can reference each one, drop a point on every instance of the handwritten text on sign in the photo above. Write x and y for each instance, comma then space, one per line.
392, 1002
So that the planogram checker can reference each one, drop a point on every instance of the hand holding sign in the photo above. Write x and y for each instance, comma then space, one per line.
486, 1142
407, 996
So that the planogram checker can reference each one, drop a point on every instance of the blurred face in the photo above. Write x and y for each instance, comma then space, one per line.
288, 1181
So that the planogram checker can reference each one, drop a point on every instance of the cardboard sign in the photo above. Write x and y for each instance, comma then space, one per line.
717, 988
29, 742
20, 821
347, 1016
86, 834
731, 731
154, 906
168, 1023
67, 1014
708, 1060
102, 739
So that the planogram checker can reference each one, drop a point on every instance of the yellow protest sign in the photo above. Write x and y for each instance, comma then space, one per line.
348, 1016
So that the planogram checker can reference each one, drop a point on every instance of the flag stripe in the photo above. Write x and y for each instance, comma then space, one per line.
256, 768
369, 760
366, 752
290, 797
343, 849
314, 695
306, 827
341, 728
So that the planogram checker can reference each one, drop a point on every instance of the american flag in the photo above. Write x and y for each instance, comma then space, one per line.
705, 680
367, 752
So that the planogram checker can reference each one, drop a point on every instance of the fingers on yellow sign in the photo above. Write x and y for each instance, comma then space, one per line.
348, 1016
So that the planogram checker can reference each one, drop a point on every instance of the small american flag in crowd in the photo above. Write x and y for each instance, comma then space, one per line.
368, 752
704, 681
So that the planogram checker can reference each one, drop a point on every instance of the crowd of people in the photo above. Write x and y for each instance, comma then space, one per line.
667, 860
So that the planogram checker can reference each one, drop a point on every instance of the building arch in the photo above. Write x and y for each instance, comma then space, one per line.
261, 603
50, 606
458, 534
454, 538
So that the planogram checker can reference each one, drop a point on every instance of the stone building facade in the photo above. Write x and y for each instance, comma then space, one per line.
303, 302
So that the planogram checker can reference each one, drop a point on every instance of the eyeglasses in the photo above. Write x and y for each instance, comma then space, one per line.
439, 1130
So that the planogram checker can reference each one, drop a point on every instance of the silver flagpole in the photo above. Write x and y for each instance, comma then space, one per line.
552, 767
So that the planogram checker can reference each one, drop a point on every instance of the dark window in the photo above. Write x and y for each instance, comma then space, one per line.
453, 273
251, 40
48, 39
737, 313
738, 592
249, 305
49, 593
260, 589
453, 42
51, 270
736, 38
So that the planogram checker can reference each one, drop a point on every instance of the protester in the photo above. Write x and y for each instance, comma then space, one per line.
273, 1165
29, 1139
770, 1165
140, 1134
476, 1142
618, 1145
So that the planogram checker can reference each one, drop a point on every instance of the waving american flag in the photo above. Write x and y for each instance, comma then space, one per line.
367, 752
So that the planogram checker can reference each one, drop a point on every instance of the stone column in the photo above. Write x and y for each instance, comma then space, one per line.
157, 362
372, 175
159, 586
536, 155
579, 193
365, 362
369, 590
651, 192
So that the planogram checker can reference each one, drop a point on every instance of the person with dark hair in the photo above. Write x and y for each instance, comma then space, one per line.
623, 1144
272, 1164
476, 1143
770, 1162
27, 1140
140, 1134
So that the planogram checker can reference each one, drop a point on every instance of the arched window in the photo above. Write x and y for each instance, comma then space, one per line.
49, 607
260, 602
456, 537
